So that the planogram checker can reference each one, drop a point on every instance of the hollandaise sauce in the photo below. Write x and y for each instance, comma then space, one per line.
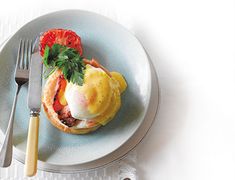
97, 100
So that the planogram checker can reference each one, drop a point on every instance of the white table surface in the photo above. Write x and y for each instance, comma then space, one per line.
192, 44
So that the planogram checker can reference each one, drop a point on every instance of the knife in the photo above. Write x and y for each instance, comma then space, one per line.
34, 104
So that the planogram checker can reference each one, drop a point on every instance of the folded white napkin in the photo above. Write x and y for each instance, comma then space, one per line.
122, 170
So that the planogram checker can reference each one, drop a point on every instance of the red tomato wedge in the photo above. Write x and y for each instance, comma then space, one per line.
58, 105
60, 36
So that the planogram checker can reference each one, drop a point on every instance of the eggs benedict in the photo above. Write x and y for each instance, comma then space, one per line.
80, 95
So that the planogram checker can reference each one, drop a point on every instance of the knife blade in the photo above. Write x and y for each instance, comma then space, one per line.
35, 83
34, 104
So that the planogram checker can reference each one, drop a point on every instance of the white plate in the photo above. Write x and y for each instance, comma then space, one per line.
117, 49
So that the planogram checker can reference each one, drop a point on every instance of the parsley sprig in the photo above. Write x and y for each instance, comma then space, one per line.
68, 60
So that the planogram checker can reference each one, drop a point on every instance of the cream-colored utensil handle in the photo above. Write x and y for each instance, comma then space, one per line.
32, 146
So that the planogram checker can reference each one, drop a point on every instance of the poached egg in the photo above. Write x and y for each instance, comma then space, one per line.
99, 96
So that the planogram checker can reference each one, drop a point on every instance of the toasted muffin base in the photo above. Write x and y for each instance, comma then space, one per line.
48, 100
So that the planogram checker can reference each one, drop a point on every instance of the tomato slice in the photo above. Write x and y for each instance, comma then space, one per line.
60, 36
60, 100
57, 106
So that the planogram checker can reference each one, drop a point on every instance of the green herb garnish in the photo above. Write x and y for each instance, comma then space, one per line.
68, 60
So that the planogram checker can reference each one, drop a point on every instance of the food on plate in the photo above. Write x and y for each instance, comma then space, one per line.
80, 95
60, 36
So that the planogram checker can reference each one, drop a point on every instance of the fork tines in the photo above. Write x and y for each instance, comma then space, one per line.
24, 54
22, 62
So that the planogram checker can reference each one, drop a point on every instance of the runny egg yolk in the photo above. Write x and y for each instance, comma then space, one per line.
99, 96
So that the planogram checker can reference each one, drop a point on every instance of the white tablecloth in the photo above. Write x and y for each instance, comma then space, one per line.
192, 44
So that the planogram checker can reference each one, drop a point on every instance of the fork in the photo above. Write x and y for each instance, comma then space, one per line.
21, 77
